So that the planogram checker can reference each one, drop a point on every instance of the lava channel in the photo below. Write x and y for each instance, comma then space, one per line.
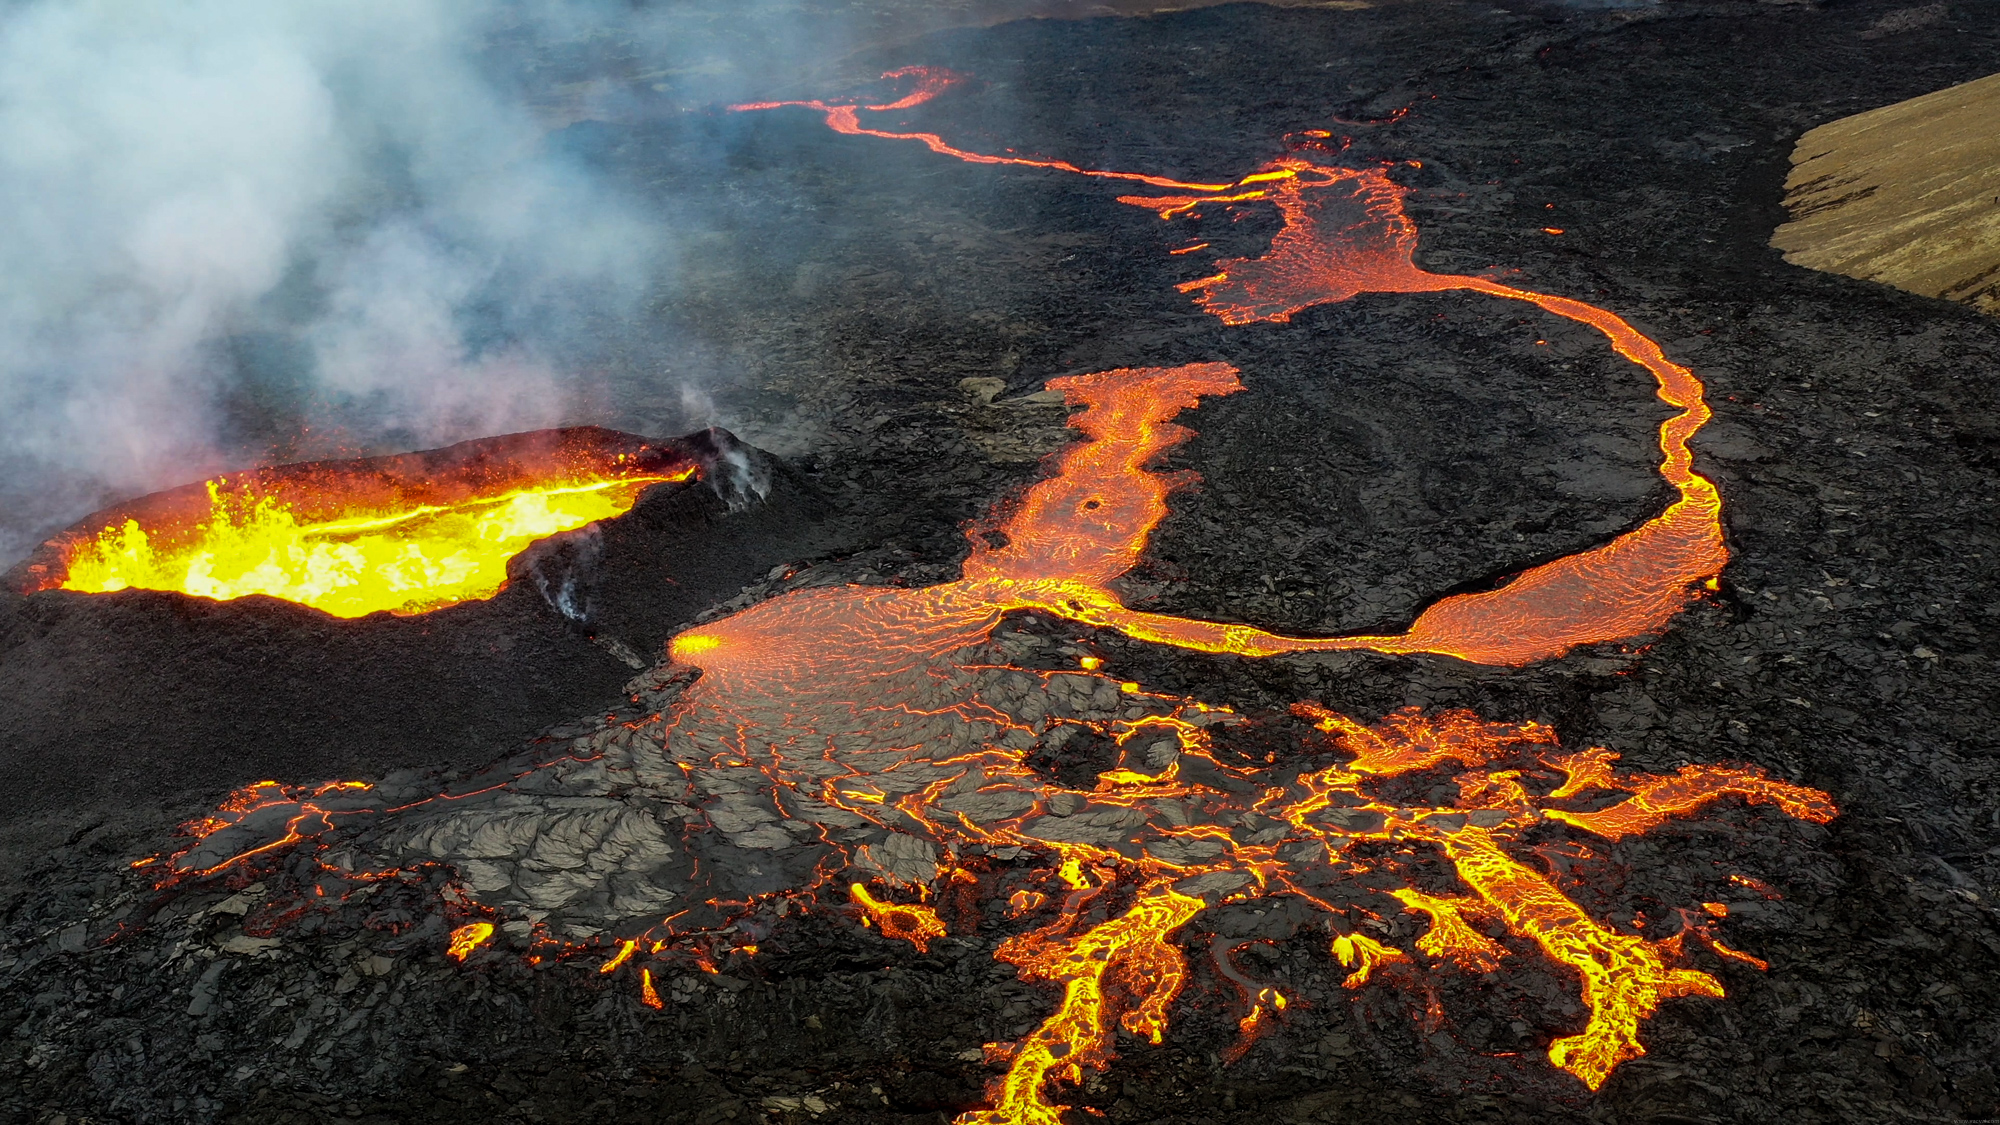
876, 741
1344, 233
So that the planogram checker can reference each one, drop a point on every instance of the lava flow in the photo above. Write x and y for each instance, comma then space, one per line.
406, 534
880, 740
1345, 233
881, 736
930, 82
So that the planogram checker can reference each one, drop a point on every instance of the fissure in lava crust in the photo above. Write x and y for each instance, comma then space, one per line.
871, 745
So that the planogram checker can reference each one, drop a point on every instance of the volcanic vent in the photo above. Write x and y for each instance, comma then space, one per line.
493, 639
407, 534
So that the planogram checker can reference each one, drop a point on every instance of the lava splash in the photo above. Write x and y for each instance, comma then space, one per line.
407, 534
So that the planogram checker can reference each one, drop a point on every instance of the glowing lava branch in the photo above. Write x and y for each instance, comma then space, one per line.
911, 922
1135, 946
1450, 937
1624, 977
1363, 955
1656, 800
930, 82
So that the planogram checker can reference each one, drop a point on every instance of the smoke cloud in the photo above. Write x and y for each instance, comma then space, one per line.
245, 231
240, 229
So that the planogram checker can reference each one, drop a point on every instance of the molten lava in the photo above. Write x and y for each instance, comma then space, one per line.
404, 534
914, 923
1345, 233
930, 82
882, 735
467, 939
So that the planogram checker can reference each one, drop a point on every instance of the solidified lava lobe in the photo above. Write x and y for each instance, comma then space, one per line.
407, 534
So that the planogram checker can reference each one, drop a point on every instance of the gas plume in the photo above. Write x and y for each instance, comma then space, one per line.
242, 232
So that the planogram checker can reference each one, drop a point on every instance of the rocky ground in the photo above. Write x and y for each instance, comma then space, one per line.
883, 317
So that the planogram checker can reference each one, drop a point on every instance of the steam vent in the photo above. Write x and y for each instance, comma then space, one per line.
1000, 564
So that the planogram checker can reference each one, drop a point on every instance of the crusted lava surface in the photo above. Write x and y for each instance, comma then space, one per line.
898, 314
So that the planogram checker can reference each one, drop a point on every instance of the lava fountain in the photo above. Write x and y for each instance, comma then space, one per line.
408, 534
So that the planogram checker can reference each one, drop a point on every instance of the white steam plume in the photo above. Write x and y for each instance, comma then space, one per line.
338, 184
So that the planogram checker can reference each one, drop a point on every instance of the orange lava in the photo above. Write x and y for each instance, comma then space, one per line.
1128, 962
1450, 936
624, 954
405, 535
1345, 233
930, 82
911, 922
1624, 977
1655, 800
469, 937
1363, 954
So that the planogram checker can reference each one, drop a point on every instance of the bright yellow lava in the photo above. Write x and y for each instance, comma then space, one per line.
409, 561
